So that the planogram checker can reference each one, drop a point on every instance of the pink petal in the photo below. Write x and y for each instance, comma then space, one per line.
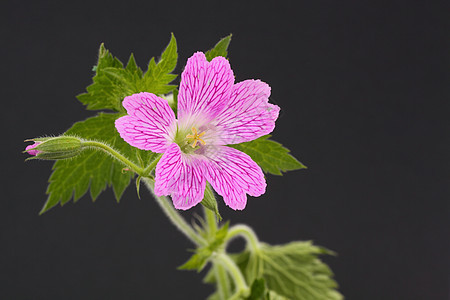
180, 176
248, 115
233, 174
150, 124
205, 89
30, 148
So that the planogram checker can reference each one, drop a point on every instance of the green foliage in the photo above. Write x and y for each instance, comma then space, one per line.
271, 156
157, 77
202, 254
105, 91
220, 49
73, 177
112, 82
292, 270
258, 290
271, 295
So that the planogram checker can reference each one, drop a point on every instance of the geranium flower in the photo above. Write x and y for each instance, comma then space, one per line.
212, 112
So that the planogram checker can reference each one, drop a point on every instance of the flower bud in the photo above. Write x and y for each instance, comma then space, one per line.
54, 148
30, 149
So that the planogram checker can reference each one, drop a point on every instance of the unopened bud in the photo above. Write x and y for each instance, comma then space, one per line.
30, 149
54, 148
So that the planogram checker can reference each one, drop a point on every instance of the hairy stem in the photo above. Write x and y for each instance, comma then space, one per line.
242, 288
115, 154
247, 233
151, 166
175, 217
223, 282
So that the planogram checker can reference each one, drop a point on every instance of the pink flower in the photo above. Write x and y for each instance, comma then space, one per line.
212, 112
29, 149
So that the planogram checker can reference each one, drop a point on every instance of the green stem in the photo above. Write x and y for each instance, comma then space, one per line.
242, 288
151, 166
246, 232
223, 282
98, 145
221, 260
167, 207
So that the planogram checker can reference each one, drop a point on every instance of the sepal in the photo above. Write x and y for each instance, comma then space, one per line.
54, 148
210, 202
202, 254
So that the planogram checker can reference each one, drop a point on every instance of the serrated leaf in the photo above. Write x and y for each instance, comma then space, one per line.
157, 78
295, 271
91, 169
220, 49
271, 156
291, 271
112, 82
105, 92
132, 67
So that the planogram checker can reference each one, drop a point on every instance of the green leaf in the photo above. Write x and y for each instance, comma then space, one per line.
132, 67
271, 156
271, 295
157, 77
290, 271
197, 261
250, 264
105, 92
92, 169
112, 82
202, 254
258, 290
294, 271
220, 49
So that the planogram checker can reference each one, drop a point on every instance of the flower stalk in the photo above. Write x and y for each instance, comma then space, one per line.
175, 217
242, 289
245, 232
115, 154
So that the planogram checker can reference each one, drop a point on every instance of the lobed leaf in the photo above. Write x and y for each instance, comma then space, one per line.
105, 91
290, 271
72, 178
111, 84
157, 78
271, 156
294, 271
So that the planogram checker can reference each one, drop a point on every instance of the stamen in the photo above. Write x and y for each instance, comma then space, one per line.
196, 137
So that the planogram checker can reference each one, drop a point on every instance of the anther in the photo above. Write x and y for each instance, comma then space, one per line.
196, 137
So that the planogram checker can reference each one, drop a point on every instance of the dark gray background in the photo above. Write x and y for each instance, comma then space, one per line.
363, 87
